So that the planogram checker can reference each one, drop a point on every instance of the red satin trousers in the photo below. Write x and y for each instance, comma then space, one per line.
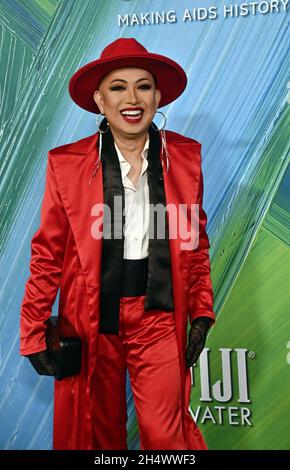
147, 346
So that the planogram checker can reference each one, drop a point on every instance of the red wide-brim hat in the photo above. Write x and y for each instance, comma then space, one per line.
170, 77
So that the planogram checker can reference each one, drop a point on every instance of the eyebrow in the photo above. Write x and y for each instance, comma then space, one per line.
125, 81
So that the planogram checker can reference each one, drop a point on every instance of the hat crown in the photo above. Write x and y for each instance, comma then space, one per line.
123, 46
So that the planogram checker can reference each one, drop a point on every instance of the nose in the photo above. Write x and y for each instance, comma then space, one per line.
132, 97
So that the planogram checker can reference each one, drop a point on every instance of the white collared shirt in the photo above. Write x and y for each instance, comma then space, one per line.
136, 230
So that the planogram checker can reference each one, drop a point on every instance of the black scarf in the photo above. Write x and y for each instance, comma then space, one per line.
159, 293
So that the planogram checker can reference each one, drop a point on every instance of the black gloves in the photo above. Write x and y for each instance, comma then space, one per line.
196, 339
42, 363
196, 342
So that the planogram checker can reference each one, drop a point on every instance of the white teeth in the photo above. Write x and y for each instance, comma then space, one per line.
132, 113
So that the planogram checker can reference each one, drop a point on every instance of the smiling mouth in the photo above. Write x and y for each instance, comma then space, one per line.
131, 115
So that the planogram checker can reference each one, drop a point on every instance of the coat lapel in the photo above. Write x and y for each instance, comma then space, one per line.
74, 165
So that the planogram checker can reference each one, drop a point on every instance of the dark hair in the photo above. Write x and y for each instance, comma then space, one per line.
155, 80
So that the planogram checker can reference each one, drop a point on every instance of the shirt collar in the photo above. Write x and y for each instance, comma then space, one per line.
143, 153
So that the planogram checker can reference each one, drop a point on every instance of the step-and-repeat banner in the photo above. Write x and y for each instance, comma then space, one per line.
236, 104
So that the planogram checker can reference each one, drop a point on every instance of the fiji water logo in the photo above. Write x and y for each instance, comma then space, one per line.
223, 391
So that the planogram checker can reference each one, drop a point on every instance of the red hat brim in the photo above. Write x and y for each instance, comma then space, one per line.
170, 76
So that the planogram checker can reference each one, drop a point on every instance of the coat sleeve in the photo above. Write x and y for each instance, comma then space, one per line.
47, 251
200, 284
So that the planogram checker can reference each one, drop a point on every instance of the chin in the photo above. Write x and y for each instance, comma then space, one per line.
135, 128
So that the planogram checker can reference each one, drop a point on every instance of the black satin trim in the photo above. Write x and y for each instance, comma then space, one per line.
159, 293
113, 239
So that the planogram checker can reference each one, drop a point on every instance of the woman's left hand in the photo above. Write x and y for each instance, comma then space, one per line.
196, 339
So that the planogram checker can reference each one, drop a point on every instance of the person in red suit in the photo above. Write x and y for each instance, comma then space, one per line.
128, 284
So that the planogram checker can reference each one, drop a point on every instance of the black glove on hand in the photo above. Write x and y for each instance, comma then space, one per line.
42, 363
196, 339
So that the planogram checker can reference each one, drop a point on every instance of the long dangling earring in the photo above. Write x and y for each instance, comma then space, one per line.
164, 150
98, 162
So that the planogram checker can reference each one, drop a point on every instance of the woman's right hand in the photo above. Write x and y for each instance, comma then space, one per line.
42, 363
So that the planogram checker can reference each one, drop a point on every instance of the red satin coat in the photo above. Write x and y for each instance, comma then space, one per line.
66, 255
